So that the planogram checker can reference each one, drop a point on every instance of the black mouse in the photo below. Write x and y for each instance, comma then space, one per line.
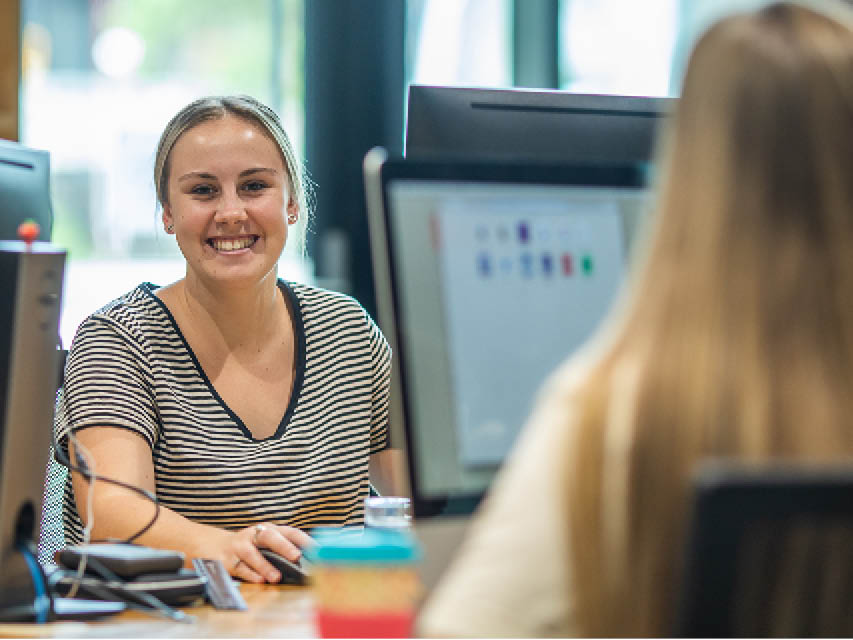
291, 572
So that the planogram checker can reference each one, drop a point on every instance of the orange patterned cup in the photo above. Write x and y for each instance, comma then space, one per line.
365, 585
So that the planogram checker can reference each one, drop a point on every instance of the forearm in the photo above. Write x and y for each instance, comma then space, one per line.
118, 514
386, 472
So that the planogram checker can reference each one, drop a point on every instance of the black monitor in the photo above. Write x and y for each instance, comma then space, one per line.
24, 190
31, 286
31, 277
532, 125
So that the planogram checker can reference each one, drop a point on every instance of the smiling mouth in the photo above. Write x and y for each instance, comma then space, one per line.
232, 244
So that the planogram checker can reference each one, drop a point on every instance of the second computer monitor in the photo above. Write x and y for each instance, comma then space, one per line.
24, 190
488, 276
533, 125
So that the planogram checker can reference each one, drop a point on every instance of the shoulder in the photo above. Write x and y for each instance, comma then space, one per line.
316, 302
133, 312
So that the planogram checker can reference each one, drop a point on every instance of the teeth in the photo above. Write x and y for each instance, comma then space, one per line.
231, 245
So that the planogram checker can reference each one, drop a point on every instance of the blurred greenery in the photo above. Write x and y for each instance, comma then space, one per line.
68, 233
226, 43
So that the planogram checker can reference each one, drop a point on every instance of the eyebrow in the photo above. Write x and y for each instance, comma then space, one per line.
209, 176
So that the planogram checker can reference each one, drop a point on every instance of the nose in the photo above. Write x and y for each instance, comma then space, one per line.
231, 208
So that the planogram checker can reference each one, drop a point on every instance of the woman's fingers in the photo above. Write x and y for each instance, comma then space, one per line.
296, 536
285, 541
253, 567
252, 563
243, 571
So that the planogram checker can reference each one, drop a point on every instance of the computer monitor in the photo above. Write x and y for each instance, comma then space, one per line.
532, 125
31, 279
24, 190
31, 287
488, 276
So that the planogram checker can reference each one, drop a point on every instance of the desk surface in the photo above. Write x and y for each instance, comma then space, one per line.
274, 611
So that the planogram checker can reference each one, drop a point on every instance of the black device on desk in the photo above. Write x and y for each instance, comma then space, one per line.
291, 572
129, 573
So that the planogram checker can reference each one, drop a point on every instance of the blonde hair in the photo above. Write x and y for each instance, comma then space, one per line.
737, 338
255, 112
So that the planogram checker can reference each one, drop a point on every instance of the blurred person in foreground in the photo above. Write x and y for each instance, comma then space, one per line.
734, 339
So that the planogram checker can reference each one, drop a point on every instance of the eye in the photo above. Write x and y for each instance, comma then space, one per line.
202, 190
254, 185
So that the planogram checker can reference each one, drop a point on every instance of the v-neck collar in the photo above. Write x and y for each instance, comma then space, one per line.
292, 302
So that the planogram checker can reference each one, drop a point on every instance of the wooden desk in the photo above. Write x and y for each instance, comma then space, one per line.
274, 612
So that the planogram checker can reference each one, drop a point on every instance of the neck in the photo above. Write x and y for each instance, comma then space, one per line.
245, 317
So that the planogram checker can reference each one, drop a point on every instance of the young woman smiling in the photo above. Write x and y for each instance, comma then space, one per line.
252, 407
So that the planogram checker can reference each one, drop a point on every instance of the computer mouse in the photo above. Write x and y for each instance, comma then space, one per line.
291, 572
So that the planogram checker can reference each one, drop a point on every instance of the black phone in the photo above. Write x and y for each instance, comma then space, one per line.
125, 560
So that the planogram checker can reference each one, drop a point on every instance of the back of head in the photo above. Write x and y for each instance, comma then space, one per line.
738, 338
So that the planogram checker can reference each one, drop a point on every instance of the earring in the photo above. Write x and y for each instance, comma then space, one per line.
291, 218
170, 228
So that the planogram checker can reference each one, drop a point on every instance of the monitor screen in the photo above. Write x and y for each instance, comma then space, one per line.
496, 277
24, 190
535, 125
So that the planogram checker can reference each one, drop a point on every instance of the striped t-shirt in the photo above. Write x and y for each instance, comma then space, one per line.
131, 367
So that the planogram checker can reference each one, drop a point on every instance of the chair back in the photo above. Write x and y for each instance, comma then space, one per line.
769, 553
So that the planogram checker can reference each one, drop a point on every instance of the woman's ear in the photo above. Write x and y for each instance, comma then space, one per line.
292, 211
168, 222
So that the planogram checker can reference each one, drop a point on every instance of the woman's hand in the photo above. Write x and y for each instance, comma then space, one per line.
243, 557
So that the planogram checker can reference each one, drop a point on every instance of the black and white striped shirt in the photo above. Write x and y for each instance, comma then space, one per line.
130, 367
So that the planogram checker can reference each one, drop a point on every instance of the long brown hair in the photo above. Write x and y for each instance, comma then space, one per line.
737, 336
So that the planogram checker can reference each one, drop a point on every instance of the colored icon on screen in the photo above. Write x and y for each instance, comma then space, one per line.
484, 265
523, 232
566, 264
547, 264
587, 265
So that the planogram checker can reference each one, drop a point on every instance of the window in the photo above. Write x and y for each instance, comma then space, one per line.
616, 46
460, 42
100, 80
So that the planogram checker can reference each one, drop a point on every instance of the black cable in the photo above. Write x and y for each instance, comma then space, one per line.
110, 582
61, 457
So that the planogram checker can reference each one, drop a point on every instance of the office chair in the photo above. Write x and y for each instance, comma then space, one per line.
52, 530
769, 553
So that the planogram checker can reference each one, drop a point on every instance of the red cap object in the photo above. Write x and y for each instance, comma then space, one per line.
28, 231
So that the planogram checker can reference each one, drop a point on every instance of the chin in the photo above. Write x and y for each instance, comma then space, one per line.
238, 277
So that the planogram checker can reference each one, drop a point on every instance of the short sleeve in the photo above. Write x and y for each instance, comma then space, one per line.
107, 383
380, 355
